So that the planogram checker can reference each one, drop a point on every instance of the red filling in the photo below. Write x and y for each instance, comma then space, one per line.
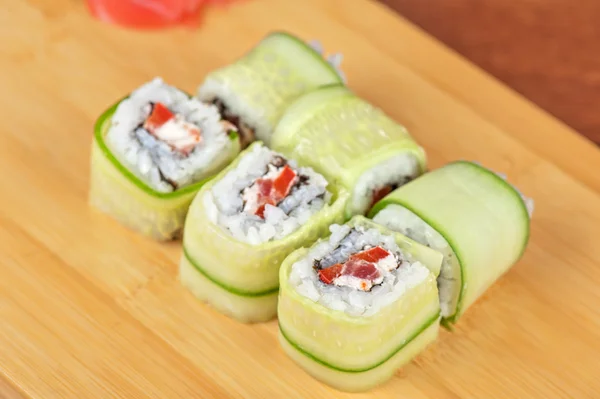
331, 273
159, 116
147, 13
374, 254
380, 193
273, 191
362, 265
361, 269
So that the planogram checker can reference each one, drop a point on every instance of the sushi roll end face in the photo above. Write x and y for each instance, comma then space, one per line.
357, 306
477, 220
151, 153
260, 208
266, 197
253, 92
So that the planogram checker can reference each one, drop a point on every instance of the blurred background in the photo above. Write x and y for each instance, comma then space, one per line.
547, 50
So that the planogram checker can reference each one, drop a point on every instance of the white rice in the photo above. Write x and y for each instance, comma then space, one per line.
148, 157
225, 203
395, 171
341, 244
400, 219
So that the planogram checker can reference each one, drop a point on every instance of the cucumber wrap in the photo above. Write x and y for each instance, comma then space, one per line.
237, 278
343, 137
258, 86
356, 353
482, 221
121, 194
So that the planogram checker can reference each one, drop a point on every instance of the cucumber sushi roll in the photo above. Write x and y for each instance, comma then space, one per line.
357, 306
245, 221
478, 221
151, 153
253, 92
351, 142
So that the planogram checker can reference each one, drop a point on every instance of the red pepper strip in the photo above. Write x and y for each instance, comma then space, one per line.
264, 191
371, 255
260, 211
284, 182
159, 116
331, 273
379, 194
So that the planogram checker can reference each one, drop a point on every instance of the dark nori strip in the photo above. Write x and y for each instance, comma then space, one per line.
278, 161
166, 179
246, 132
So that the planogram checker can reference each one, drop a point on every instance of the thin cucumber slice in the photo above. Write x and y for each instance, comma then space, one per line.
300, 54
361, 381
302, 110
262, 83
483, 219
241, 268
406, 222
238, 305
374, 344
345, 138
118, 192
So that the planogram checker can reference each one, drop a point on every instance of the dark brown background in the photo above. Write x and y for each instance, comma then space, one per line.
547, 50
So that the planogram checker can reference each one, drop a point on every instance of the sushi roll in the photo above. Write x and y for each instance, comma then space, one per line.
253, 91
151, 153
358, 305
351, 142
477, 220
245, 221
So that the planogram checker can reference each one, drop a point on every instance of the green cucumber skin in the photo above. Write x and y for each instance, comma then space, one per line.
343, 137
262, 83
246, 309
301, 111
309, 50
433, 319
366, 380
453, 187
225, 287
345, 342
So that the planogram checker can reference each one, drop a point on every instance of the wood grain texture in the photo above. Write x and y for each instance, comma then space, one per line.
546, 50
7, 391
92, 310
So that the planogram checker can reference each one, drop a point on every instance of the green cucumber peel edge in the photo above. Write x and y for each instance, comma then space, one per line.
449, 320
426, 325
304, 44
100, 128
232, 290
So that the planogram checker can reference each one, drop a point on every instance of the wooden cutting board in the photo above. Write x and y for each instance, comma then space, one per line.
89, 309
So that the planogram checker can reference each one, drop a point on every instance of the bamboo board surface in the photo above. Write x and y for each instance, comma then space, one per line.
89, 309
